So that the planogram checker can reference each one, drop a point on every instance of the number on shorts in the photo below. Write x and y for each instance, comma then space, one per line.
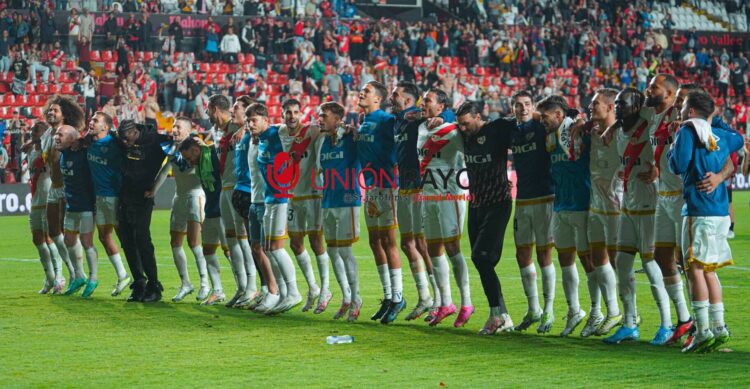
290, 214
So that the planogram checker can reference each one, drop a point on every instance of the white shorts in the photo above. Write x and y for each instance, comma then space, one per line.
38, 218
274, 221
106, 211
380, 209
305, 217
443, 220
635, 233
704, 240
231, 219
79, 222
602, 230
532, 221
409, 214
211, 232
341, 226
668, 221
187, 208
55, 195
569, 229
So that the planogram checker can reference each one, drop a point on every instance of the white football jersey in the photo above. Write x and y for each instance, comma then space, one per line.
440, 153
636, 156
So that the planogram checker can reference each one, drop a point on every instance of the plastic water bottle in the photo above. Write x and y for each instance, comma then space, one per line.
339, 339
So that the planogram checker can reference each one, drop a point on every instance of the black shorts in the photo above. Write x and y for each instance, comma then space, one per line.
241, 202
486, 227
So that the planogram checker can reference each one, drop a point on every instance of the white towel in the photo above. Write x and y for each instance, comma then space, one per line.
704, 132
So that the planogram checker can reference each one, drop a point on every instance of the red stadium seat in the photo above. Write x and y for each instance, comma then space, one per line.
148, 56
107, 56
67, 89
110, 66
37, 112
274, 111
209, 78
96, 56
53, 88
220, 78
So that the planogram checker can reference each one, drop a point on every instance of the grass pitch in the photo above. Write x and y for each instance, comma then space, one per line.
65, 341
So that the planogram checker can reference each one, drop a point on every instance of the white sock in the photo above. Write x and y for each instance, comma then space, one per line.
700, 310
716, 313
76, 253
397, 284
214, 272
280, 282
180, 262
249, 265
385, 281
92, 257
63, 250
423, 290
325, 280
442, 276
548, 287
46, 260
238, 263
461, 274
303, 260
657, 290
592, 281
339, 270
435, 290
116, 262
56, 259
286, 266
674, 288
608, 285
528, 280
570, 287
347, 255
626, 286
200, 260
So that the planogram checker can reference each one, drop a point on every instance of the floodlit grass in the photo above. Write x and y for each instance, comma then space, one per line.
106, 342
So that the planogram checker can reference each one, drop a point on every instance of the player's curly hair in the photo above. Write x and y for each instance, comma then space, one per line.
72, 112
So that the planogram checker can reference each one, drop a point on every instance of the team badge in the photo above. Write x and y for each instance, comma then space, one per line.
70, 163
104, 149
481, 139
435, 138
529, 136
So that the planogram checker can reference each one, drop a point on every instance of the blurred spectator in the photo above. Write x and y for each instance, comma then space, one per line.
230, 46
20, 75
5, 42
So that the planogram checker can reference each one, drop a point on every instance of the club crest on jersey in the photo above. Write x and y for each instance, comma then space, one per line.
435, 138
104, 149
529, 136
69, 164
481, 140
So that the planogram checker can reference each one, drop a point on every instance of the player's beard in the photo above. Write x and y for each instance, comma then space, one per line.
654, 101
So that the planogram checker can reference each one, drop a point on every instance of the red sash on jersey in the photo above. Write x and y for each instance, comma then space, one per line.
299, 145
38, 166
224, 149
434, 144
661, 135
632, 151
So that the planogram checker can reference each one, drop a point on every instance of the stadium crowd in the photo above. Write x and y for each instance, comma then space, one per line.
559, 47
